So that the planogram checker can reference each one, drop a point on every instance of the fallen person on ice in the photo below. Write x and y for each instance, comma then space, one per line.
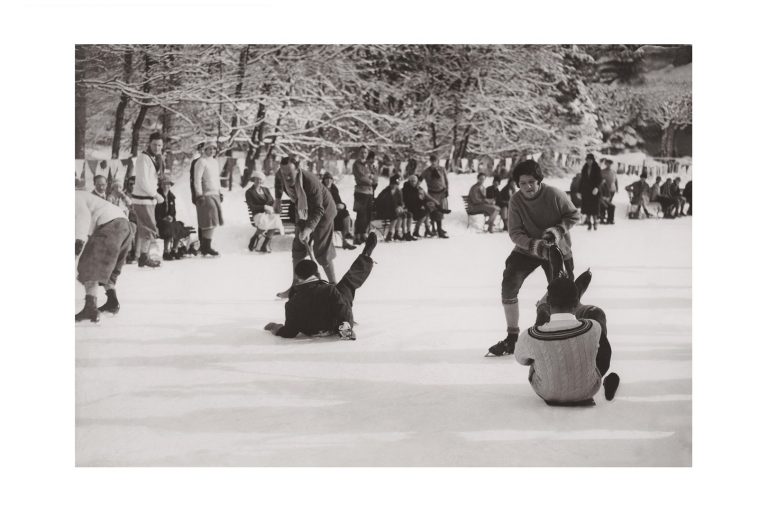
567, 349
316, 307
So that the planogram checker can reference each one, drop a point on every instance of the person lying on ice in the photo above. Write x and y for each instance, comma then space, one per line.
567, 349
316, 307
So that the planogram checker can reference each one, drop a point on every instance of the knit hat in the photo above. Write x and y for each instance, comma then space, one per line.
394, 180
260, 175
305, 269
327, 176
562, 293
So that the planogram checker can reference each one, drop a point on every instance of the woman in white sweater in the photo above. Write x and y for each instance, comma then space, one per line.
207, 185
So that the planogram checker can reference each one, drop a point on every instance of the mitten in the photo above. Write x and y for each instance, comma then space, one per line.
554, 234
540, 248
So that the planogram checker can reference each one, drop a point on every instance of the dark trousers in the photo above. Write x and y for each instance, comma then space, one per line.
364, 210
518, 267
355, 277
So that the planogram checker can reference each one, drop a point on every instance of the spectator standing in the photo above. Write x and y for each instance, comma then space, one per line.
149, 165
365, 185
639, 192
208, 197
607, 190
478, 202
416, 206
502, 201
677, 196
591, 178
437, 187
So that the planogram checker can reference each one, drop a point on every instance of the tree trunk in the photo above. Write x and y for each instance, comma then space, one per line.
434, 135
241, 68
136, 132
120, 113
668, 141
80, 102
257, 139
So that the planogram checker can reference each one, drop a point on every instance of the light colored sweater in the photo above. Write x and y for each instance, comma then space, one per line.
145, 188
207, 181
563, 356
92, 211
528, 218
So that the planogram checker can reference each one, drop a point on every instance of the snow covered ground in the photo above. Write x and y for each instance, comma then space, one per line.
185, 375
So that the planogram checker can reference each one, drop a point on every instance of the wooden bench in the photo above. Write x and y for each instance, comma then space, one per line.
654, 207
287, 215
380, 225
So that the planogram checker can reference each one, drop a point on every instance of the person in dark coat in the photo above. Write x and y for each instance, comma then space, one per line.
502, 200
343, 221
165, 217
317, 307
591, 178
416, 203
437, 185
315, 213
389, 206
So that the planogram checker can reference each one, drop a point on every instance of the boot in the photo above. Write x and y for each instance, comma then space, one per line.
167, 256
398, 236
112, 305
407, 237
205, 247
131, 258
346, 245
611, 384
145, 261
388, 238
582, 282
416, 234
267, 245
442, 234
504, 347
254, 241
89, 311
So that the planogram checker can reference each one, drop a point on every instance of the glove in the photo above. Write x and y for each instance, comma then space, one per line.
159, 198
78, 246
272, 327
540, 248
553, 234
305, 234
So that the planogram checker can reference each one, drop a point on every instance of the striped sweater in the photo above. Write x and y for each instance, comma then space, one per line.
563, 357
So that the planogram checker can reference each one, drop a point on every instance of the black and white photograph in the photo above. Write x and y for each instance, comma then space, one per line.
383, 255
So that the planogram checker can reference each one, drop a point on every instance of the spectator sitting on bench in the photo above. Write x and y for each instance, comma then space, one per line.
688, 195
389, 206
478, 203
416, 202
260, 203
568, 349
343, 221
165, 217
677, 197
660, 194
492, 191
639, 193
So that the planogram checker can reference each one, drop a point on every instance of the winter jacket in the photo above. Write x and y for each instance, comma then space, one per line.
528, 218
314, 307
147, 169
609, 181
320, 203
92, 211
207, 181
688, 191
365, 178
387, 202
258, 200
591, 178
640, 191
566, 356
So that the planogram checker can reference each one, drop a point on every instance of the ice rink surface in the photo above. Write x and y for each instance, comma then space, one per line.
185, 375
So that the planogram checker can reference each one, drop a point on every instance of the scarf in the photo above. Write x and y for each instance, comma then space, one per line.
158, 163
298, 196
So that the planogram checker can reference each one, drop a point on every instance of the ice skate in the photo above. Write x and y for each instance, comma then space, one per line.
611, 384
505, 347
112, 305
89, 311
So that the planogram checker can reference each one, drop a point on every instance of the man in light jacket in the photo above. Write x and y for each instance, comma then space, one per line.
149, 165
478, 203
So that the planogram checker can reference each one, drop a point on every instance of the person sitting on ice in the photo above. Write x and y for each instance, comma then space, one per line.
479, 203
316, 307
265, 220
568, 349
103, 235
389, 206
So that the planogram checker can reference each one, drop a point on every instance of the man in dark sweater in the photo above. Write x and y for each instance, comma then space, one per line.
539, 216
318, 307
